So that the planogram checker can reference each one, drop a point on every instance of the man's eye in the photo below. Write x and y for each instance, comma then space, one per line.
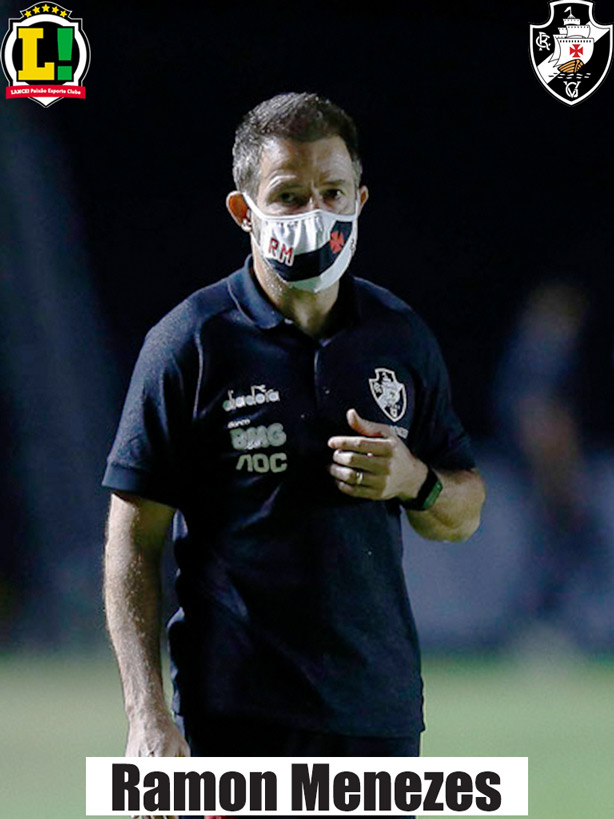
288, 198
333, 193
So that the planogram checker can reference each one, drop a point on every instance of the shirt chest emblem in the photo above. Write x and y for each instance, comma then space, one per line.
389, 393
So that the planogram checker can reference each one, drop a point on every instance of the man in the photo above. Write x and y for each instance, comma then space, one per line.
289, 413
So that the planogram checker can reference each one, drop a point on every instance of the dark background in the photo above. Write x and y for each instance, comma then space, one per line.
113, 211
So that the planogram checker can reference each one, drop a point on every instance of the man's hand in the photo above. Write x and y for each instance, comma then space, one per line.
161, 738
156, 738
374, 464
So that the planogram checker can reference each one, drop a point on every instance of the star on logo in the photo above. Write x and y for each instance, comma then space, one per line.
27, 14
36, 9
45, 8
55, 9
336, 241
575, 51
62, 14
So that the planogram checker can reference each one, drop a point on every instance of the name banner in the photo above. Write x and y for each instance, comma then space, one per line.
307, 786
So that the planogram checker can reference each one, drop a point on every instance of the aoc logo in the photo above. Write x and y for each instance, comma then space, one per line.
389, 393
571, 53
45, 55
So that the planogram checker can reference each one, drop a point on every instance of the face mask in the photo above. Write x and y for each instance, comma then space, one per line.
310, 251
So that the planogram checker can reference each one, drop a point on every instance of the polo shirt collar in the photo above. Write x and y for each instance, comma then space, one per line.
249, 298
253, 303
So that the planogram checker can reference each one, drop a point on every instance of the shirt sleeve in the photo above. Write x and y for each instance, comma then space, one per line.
149, 456
437, 436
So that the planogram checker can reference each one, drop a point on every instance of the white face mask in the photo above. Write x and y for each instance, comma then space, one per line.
309, 251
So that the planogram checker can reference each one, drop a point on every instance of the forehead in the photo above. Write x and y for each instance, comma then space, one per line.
287, 158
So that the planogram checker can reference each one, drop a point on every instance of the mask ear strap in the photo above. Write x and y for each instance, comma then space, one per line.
251, 205
357, 206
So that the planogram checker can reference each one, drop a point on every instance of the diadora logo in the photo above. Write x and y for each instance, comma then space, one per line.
258, 394
281, 251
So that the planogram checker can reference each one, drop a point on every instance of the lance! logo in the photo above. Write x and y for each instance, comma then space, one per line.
571, 53
45, 55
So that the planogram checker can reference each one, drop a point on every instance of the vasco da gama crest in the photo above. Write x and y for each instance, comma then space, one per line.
571, 53
389, 393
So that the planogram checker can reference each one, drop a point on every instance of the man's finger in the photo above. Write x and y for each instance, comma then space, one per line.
357, 491
371, 429
357, 479
377, 464
378, 446
353, 477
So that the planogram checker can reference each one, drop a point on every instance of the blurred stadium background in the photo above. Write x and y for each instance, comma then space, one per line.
490, 213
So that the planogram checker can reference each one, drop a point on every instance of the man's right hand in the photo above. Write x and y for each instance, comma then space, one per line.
156, 738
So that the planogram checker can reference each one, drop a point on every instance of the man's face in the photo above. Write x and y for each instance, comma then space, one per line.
296, 177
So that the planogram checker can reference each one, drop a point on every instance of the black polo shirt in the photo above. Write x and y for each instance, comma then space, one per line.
292, 594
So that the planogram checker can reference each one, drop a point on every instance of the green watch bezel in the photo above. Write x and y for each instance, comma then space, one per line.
428, 494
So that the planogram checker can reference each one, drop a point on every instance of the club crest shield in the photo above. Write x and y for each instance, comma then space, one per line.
571, 53
389, 393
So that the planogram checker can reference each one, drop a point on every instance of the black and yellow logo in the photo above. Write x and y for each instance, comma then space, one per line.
45, 55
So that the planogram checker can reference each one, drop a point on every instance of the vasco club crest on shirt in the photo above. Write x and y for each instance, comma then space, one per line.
571, 53
389, 393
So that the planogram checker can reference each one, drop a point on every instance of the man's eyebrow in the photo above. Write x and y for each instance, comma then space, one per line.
296, 182
282, 186
336, 182
292, 182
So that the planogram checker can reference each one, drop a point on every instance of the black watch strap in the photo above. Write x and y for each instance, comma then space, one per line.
428, 494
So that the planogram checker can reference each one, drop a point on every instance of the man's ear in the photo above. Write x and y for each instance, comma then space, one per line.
363, 195
239, 210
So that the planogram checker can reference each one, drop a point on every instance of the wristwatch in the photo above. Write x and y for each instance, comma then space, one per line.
428, 494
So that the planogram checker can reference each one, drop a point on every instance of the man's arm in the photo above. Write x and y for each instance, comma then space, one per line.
376, 464
456, 513
136, 533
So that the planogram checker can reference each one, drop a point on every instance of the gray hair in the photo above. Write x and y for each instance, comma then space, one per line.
304, 117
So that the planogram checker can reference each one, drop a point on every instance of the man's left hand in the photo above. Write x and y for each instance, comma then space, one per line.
374, 464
